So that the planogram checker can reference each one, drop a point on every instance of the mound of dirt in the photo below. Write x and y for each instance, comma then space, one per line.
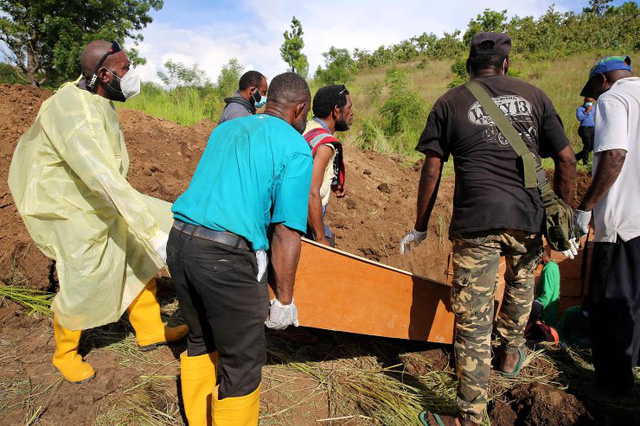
18, 108
378, 210
370, 221
537, 404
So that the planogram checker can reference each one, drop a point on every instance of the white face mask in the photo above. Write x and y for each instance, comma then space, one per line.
130, 84
125, 88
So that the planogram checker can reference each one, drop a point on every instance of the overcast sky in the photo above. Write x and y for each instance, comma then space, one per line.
210, 32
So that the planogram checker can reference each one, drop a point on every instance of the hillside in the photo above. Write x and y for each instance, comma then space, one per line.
370, 221
561, 79
364, 379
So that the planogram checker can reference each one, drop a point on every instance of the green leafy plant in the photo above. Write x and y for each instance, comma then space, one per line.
291, 50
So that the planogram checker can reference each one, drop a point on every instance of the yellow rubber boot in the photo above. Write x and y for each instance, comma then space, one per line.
197, 381
236, 411
144, 315
66, 358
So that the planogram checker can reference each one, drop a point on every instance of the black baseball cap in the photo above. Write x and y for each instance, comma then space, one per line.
490, 44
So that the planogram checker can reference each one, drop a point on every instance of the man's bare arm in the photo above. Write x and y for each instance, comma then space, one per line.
428, 189
320, 161
564, 178
609, 166
285, 254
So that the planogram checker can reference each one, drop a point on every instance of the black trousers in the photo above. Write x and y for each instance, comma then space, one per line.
614, 312
224, 306
587, 135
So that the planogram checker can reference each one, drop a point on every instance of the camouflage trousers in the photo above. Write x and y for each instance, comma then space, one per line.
476, 258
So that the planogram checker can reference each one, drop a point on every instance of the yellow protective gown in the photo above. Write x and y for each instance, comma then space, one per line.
68, 180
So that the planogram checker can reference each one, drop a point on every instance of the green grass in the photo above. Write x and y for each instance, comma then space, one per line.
13, 287
185, 106
561, 79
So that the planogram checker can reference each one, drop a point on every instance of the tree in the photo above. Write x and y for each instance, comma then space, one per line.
177, 74
490, 20
44, 38
340, 67
229, 77
597, 7
291, 50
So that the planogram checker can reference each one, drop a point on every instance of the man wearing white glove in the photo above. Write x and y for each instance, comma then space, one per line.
494, 213
614, 198
254, 175
412, 239
68, 177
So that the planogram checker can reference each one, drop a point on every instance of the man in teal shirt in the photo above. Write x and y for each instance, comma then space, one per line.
548, 289
254, 175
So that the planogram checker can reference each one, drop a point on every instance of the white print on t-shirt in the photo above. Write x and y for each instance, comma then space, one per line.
516, 108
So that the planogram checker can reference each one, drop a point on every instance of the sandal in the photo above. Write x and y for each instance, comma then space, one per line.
425, 422
522, 352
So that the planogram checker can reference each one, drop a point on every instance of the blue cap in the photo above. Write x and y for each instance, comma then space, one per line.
603, 66
610, 63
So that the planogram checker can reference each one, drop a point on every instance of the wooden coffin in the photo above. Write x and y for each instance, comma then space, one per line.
339, 291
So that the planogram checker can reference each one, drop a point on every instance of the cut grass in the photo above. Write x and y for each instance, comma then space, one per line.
38, 302
149, 404
359, 384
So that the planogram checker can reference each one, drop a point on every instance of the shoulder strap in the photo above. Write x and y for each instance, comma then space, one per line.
532, 170
317, 137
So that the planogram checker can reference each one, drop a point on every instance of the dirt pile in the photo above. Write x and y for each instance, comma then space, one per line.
370, 221
18, 108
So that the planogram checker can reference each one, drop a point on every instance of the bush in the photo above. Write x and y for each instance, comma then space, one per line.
403, 110
9, 74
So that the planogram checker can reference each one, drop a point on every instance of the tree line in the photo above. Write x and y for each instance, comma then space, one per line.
43, 39
552, 35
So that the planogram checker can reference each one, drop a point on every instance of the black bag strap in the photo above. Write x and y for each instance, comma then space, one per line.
533, 172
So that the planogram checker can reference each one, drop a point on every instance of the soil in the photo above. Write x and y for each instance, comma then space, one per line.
370, 221
378, 210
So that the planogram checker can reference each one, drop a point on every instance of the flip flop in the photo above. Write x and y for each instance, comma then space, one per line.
522, 351
425, 422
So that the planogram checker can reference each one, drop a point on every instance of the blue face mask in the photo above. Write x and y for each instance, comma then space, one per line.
262, 102
258, 100
588, 104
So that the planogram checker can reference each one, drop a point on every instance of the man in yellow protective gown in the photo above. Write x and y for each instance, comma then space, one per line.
68, 179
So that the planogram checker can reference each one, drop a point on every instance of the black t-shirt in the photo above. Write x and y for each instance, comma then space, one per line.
489, 190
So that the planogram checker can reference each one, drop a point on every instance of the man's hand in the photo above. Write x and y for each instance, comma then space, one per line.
413, 238
282, 316
339, 190
581, 220
573, 249
159, 244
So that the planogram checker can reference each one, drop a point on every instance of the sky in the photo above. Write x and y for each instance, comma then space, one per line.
211, 32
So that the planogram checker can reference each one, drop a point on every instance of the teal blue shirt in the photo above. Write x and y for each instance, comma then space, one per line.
255, 171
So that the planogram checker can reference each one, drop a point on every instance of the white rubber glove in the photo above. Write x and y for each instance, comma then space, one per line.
282, 316
159, 244
573, 250
413, 238
263, 262
582, 219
